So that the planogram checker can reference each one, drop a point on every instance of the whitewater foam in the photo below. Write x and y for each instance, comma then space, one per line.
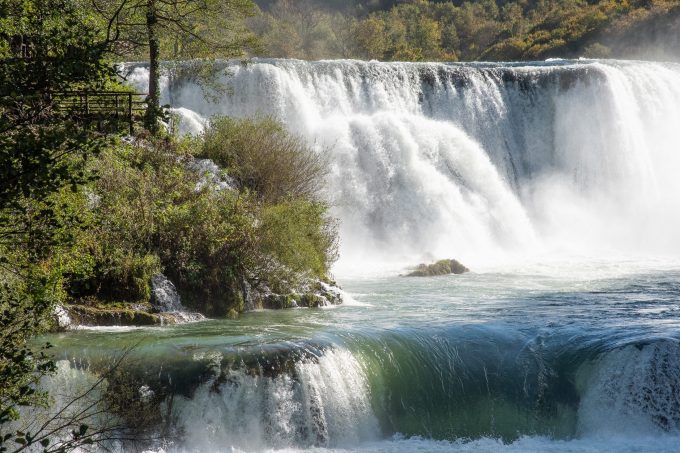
320, 401
480, 162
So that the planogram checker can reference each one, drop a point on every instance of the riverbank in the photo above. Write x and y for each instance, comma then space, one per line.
179, 228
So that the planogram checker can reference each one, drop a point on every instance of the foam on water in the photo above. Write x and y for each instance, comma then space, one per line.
485, 163
636, 387
322, 401
328, 401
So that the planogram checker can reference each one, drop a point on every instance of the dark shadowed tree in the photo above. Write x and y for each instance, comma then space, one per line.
47, 47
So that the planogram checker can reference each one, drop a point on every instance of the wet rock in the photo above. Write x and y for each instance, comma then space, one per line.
442, 267
313, 294
280, 301
212, 175
82, 315
314, 301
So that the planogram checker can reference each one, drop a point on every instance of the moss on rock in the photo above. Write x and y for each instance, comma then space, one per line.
312, 300
441, 267
96, 316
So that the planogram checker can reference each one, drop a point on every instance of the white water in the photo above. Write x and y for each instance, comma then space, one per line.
557, 183
636, 387
488, 164
322, 402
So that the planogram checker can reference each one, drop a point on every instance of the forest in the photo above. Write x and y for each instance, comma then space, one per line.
494, 30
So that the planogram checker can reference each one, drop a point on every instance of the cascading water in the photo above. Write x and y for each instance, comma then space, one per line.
555, 182
322, 401
476, 161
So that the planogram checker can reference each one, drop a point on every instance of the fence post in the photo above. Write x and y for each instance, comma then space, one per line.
130, 113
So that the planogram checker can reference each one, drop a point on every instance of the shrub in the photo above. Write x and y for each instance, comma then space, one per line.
152, 216
262, 156
151, 211
299, 235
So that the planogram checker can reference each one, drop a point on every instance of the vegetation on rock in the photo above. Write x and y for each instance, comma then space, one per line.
154, 212
441, 267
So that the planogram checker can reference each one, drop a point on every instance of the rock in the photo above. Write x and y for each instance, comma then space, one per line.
212, 175
82, 315
232, 314
180, 317
93, 316
442, 267
312, 293
280, 301
331, 291
313, 300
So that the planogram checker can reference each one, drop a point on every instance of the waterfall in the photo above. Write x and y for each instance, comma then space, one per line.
319, 401
482, 162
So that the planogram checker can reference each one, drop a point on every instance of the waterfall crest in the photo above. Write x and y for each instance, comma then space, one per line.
479, 161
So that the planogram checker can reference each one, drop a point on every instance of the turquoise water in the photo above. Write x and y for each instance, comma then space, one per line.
585, 360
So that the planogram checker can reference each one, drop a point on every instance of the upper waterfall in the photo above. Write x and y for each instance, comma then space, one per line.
479, 161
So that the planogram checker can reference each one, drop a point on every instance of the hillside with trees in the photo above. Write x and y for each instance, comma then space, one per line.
495, 30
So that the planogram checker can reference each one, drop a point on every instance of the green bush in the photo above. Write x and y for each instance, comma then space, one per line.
262, 156
150, 211
152, 217
299, 235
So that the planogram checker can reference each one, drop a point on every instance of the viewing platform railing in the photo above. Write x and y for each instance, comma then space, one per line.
106, 110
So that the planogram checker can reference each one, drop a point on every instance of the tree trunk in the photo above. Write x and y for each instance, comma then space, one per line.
153, 109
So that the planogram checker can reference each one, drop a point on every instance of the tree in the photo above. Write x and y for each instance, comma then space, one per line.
47, 47
371, 38
179, 29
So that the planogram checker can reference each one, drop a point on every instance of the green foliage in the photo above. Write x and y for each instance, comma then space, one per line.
263, 157
21, 367
300, 235
151, 210
150, 217
469, 29
46, 47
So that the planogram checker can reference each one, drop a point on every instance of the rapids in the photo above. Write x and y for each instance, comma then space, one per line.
555, 182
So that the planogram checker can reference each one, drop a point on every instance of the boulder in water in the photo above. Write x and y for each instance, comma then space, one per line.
441, 267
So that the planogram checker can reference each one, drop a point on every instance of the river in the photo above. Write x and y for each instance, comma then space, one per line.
555, 182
